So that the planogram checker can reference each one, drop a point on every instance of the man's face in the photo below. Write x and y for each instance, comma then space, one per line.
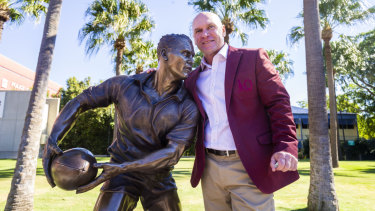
180, 59
208, 34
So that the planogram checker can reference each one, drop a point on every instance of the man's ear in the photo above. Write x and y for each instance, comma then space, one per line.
163, 54
224, 31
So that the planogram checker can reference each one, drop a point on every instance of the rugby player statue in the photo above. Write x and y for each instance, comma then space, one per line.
157, 121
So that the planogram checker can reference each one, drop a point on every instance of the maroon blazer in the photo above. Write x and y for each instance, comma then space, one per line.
259, 116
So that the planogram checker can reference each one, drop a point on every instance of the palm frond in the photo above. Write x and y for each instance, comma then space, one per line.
282, 63
295, 35
111, 20
17, 10
15, 16
345, 12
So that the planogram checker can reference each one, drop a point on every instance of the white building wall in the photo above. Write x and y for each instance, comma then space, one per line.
14, 107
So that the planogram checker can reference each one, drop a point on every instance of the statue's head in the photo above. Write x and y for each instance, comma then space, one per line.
175, 55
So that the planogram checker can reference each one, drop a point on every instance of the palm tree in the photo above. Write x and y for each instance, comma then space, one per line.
282, 63
15, 11
21, 193
322, 194
140, 55
235, 12
114, 23
334, 13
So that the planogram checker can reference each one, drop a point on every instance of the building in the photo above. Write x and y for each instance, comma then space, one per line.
13, 107
14, 76
347, 124
16, 81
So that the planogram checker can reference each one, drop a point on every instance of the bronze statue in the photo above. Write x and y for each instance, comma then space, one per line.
157, 121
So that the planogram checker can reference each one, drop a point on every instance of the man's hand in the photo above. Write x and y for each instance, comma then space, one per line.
283, 161
109, 170
51, 150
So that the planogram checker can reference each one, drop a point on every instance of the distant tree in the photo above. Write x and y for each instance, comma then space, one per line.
334, 13
93, 129
302, 104
322, 195
16, 10
235, 14
354, 59
114, 23
197, 58
282, 63
22, 189
139, 55
366, 122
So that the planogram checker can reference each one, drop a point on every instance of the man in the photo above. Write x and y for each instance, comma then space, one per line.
246, 147
156, 123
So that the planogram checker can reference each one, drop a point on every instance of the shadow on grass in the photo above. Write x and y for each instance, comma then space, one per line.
343, 175
8, 173
304, 172
301, 209
181, 172
307, 173
369, 170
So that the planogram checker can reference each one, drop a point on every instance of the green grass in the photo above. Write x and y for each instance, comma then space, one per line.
354, 182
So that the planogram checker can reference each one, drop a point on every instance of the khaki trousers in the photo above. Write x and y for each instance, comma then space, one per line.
227, 186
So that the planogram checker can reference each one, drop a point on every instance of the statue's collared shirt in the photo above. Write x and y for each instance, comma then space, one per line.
146, 122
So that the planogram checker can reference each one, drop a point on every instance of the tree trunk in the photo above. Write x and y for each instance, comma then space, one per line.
1, 28
139, 69
226, 38
120, 52
322, 194
229, 27
327, 35
21, 193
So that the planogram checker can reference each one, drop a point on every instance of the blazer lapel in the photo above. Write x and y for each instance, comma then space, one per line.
192, 86
233, 60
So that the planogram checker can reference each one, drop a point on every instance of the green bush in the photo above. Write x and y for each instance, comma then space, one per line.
93, 129
361, 150
303, 149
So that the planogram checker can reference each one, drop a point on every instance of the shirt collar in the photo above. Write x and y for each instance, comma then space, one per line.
144, 77
223, 52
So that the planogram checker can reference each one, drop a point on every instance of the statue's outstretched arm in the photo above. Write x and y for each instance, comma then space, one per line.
179, 138
97, 96
62, 125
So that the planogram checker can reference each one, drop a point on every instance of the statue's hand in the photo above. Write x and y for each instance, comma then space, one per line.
109, 170
51, 150
150, 70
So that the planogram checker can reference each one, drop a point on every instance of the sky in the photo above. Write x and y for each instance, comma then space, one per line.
21, 43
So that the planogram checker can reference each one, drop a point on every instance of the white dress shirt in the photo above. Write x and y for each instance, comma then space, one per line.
211, 92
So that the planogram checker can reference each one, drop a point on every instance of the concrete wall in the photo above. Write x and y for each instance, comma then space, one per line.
14, 109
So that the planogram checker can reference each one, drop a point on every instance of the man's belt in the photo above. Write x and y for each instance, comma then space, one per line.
221, 152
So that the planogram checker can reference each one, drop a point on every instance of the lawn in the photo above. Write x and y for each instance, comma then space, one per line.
355, 187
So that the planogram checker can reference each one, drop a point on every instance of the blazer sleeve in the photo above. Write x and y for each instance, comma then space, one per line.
275, 99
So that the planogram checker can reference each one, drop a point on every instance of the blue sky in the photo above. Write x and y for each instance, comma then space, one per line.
22, 43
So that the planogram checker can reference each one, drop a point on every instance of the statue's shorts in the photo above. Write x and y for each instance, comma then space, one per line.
152, 188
